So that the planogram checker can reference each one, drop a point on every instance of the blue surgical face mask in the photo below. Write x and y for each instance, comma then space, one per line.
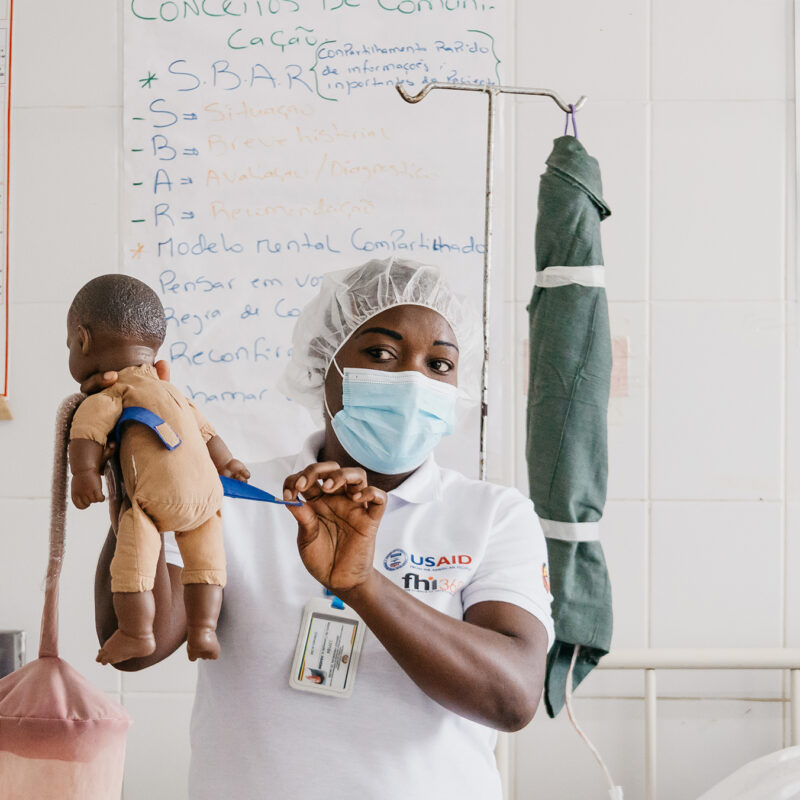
391, 421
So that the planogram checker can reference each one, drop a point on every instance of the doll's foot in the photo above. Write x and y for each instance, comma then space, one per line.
202, 643
121, 647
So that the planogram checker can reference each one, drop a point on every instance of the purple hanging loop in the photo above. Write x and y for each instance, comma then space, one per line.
571, 115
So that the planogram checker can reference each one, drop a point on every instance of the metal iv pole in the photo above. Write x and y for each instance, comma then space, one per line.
491, 92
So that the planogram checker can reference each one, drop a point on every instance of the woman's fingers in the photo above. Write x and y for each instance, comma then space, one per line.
332, 478
299, 481
321, 471
352, 479
98, 382
162, 370
305, 516
373, 500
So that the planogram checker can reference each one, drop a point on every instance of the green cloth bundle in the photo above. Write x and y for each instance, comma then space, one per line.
567, 440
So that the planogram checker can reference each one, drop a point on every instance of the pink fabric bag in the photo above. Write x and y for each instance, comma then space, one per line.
60, 737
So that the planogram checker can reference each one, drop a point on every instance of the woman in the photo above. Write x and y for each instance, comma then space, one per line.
446, 573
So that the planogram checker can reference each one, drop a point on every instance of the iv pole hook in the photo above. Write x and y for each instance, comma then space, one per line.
518, 90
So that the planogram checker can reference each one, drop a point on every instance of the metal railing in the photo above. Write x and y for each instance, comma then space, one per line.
652, 659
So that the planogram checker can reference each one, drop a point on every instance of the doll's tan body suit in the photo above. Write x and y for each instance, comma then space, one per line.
170, 490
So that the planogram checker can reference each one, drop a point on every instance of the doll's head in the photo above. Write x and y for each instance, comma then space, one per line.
114, 322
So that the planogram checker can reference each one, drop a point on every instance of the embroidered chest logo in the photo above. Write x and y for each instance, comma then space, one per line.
414, 583
398, 558
395, 559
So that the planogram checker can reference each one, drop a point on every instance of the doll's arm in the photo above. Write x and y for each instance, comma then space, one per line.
206, 428
93, 421
85, 458
96, 416
224, 461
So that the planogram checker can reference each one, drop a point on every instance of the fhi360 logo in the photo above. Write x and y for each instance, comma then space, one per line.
398, 558
414, 583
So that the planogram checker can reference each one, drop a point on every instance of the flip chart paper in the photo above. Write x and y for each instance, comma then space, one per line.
265, 145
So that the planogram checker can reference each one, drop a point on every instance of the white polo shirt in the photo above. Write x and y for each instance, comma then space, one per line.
448, 540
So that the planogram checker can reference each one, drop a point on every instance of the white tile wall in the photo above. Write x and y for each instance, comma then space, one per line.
702, 527
553, 762
718, 579
717, 393
719, 49
718, 171
60, 245
23, 528
47, 39
703, 741
578, 47
628, 405
691, 115
38, 372
718, 583
157, 756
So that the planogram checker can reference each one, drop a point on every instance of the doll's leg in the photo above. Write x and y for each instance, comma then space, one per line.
132, 575
203, 602
134, 636
203, 578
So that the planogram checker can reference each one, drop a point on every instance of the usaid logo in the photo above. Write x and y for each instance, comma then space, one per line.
395, 559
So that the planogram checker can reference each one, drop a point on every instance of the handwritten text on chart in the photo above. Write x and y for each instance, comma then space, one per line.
358, 240
333, 69
170, 11
265, 145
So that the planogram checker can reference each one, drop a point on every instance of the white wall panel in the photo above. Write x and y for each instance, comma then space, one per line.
718, 200
720, 49
717, 389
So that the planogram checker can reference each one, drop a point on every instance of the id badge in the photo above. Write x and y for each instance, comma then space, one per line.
328, 648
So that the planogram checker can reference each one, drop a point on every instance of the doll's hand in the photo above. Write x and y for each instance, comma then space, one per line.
235, 469
87, 488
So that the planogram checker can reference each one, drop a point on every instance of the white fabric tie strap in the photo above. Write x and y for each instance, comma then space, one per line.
571, 531
551, 277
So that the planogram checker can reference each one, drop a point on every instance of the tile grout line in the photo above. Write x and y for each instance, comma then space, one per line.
689, 698
649, 329
787, 188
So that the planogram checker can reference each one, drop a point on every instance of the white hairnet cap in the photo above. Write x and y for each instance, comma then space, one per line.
348, 298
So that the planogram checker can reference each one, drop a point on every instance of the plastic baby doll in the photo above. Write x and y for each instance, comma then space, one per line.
117, 323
